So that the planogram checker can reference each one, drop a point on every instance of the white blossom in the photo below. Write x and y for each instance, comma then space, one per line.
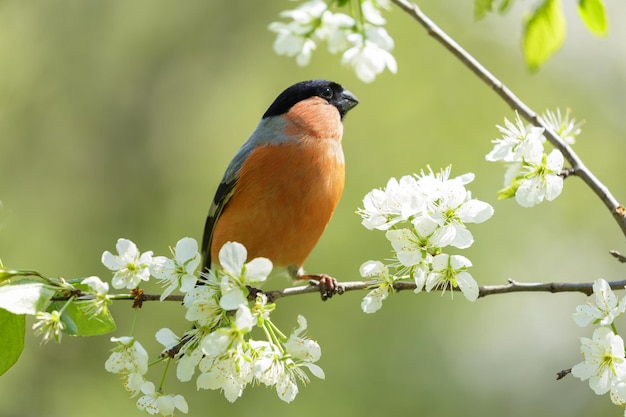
371, 13
232, 257
296, 37
177, 273
127, 357
603, 362
301, 347
229, 373
606, 309
154, 402
49, 326
217, 342
532, 176
335, 29
373, 301
167, 338
542, 180
397, 202
411, 246
130, 267
452, 210
518, 142
370, 53
203, 308
452, 270
273, 369
562, 125
97, 300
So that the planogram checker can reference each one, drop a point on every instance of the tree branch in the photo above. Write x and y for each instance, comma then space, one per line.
552, 287
578, 168
484, 290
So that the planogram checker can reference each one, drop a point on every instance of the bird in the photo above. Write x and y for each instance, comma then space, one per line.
281, 188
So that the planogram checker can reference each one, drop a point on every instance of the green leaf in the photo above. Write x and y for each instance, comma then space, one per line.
12, 328
504, 6
593, 14
79, 323
545, 33
508, 192
25, 296
481, 8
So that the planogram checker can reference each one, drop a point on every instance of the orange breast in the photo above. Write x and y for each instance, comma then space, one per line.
283, 200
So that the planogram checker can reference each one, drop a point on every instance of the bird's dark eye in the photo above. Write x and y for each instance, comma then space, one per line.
327, 93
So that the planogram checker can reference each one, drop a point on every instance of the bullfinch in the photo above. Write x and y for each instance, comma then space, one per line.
281, 188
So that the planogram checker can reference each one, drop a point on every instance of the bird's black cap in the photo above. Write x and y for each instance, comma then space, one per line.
336, 95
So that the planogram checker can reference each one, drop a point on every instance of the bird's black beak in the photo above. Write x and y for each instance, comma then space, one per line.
346, 102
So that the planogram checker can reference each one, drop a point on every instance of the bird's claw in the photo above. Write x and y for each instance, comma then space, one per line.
328, 285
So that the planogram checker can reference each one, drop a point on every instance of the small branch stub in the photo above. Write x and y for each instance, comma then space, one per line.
618, 256
562, 374
139, 299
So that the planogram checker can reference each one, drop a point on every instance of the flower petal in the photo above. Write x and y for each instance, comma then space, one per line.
257, 270
232, 257
468, 285
167, 338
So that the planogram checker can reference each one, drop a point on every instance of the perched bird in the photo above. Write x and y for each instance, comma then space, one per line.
280, 190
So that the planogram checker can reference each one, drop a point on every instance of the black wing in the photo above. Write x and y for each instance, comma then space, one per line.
223, 194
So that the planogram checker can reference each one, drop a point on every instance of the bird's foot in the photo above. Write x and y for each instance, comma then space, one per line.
328, 285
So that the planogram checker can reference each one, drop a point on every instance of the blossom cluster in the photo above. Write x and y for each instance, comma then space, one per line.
422, 215
224, 313
364, 42
222, 305
604, 363
532, 176
131, 267
223, 310
130, 360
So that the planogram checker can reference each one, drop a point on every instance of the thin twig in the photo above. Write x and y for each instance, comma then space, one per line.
562, 374
618, 256
578, 168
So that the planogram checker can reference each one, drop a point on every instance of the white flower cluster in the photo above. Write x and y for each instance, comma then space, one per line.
223, 313
422, 215
604, 363
365, 44
532, 176
130, 268
130, 360
221, 347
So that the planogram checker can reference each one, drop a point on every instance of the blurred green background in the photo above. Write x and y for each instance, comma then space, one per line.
117, 119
